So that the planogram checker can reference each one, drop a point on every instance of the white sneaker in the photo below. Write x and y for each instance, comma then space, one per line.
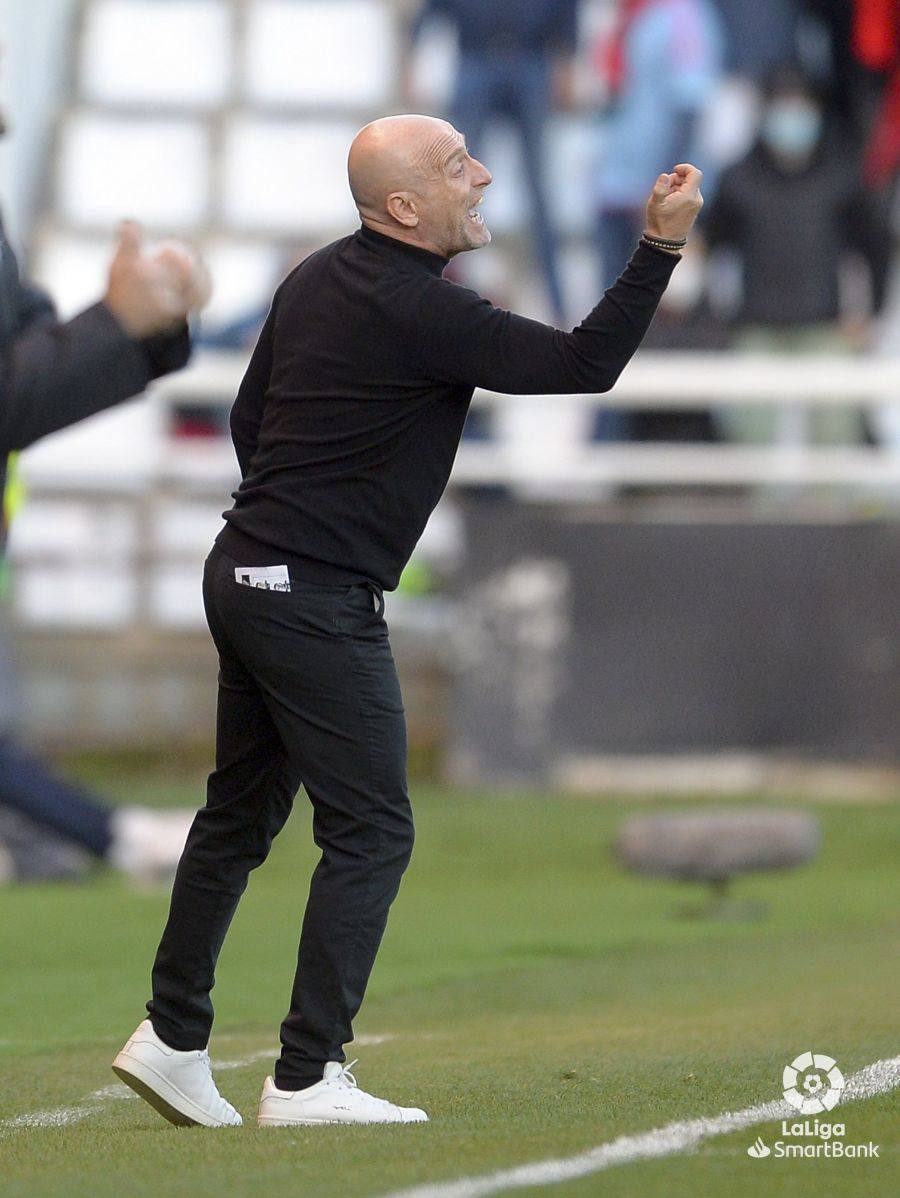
147, 844
177, 1084
335, 1099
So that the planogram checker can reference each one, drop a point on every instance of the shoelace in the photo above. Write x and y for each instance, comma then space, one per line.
346, 1078
203, 1058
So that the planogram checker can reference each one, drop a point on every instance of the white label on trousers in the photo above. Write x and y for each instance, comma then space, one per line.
267, 578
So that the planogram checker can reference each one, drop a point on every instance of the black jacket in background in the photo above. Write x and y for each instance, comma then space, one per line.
54, 374
350, 413
791, 233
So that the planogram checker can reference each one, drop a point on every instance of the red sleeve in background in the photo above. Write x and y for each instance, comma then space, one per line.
876, 46
882, 156
876, 32
609, 54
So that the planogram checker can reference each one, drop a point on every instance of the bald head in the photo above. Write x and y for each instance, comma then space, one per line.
396, 153
401, 170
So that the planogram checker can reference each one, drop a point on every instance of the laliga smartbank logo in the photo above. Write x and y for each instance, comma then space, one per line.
812, 1084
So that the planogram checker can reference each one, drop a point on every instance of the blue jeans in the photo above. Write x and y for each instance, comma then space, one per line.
27, 786
516, 86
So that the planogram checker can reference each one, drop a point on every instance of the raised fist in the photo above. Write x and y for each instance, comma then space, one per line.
152, 293
675, 203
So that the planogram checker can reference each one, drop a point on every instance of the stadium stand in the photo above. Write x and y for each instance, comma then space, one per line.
224, 124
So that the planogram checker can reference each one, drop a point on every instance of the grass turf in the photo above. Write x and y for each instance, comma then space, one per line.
539, 1002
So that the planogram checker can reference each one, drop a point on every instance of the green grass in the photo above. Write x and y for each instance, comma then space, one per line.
541, 1003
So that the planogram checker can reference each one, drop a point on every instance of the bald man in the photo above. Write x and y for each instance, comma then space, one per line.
345, 426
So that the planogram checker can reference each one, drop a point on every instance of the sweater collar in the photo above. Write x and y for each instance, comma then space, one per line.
433, 263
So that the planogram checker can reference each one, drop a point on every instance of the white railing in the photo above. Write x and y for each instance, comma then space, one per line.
120, 514
656, 380
538, 439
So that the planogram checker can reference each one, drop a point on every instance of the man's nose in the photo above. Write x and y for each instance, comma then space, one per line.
483, 176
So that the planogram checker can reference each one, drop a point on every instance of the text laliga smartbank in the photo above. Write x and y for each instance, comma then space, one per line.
812, 1084
830, 1136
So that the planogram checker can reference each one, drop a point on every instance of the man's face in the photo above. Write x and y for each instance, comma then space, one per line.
450, 195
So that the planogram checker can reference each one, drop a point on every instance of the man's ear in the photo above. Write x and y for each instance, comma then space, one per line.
402, 207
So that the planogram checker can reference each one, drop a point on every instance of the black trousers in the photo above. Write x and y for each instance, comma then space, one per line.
308, 694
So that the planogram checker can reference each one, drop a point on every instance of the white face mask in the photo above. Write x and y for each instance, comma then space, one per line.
791, 127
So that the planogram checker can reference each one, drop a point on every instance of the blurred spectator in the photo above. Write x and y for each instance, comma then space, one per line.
662, 65
53, 375
858, 36
760, 35
513, 55
848, 47
791, 211
53, 816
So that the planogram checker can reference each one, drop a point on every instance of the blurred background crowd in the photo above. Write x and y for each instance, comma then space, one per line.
226, 122
229, 121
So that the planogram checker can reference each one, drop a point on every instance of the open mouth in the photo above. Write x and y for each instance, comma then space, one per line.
474, 215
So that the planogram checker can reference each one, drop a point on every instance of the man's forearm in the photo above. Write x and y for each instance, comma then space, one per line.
628, 308
471, 341
593, 355
57, 374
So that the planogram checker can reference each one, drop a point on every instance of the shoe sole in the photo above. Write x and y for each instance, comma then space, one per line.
270, 1122
161, 1094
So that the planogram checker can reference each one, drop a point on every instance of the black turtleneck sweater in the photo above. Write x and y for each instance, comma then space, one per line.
349, 416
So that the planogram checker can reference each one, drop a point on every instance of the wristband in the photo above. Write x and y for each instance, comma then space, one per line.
664, 243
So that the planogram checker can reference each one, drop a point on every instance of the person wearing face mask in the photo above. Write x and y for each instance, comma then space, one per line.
791, 212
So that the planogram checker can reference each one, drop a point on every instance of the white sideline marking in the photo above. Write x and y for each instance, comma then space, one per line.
877, 1078
64, 1116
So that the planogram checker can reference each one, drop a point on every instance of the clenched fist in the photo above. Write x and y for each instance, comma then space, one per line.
675, 203
152, 293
